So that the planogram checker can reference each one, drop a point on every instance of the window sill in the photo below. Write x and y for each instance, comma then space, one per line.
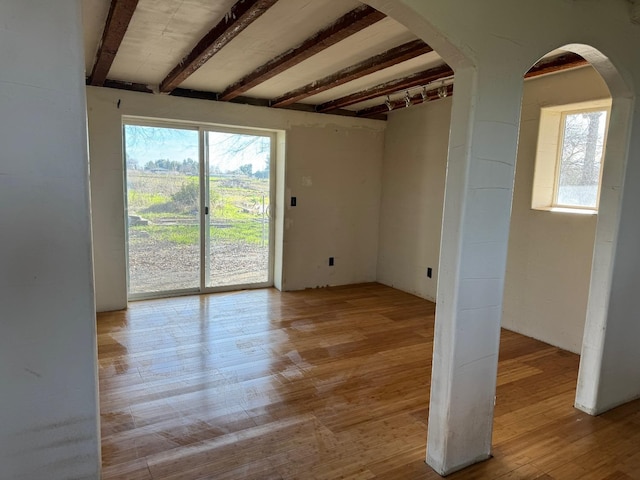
579, 211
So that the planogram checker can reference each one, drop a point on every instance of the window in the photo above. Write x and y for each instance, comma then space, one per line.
569, 157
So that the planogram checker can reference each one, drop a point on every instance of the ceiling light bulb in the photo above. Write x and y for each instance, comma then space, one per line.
442, 91
387, 102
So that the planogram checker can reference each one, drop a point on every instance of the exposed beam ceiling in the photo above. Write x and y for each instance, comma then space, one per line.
549, 65
253, 42
240, 16
378, 62
414, 80
545, 66
120, 13
347, 25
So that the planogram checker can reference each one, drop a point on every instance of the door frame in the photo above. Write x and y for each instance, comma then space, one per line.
203, 161
204, 202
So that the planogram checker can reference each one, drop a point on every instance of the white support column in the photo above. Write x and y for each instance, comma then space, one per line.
590, 396
48, 389
610, 364
479, 187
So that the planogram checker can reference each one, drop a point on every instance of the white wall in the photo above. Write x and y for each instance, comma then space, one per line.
550, 253
333, 167
334, 171
413, 173
48, 397
549, 260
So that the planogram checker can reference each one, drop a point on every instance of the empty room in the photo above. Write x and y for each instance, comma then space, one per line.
326, 239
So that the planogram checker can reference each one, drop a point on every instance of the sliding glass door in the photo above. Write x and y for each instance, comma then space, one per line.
163, 209
239, 204
198, 209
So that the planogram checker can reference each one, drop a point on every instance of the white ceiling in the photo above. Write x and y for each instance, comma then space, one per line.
94, 15
162, 32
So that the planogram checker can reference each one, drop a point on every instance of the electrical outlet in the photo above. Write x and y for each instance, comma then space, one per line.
331, 261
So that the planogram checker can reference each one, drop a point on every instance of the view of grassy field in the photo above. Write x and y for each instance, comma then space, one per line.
233, 199
164, 229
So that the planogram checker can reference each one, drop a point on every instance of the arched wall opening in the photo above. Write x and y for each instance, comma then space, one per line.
588, 395
559, 274
612, 179
405, 122
551, 248
560, 263
481, 125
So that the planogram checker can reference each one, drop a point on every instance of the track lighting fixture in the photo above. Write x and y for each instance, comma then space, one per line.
442, 91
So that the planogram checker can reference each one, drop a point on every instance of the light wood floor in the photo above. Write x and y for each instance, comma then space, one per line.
327, 383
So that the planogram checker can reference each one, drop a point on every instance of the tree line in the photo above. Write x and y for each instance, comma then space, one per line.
189, 166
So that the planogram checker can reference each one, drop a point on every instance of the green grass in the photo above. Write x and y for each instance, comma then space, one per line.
247, 232
155, 216
234, 201
230, 211
139, 201
243, 232
178, 234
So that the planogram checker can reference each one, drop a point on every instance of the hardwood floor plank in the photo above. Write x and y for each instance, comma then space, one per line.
325, 384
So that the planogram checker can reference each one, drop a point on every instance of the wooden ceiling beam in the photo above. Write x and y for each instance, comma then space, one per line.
413, 80
557, 63
240, 16
120, 13
384, 60
354, 21
131, 86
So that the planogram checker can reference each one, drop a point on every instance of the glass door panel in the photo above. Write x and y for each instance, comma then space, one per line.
238, 198
163, 208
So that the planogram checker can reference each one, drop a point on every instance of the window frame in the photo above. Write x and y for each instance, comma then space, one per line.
561, 135
548, 155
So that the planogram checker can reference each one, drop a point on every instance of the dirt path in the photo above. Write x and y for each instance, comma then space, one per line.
156, 265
